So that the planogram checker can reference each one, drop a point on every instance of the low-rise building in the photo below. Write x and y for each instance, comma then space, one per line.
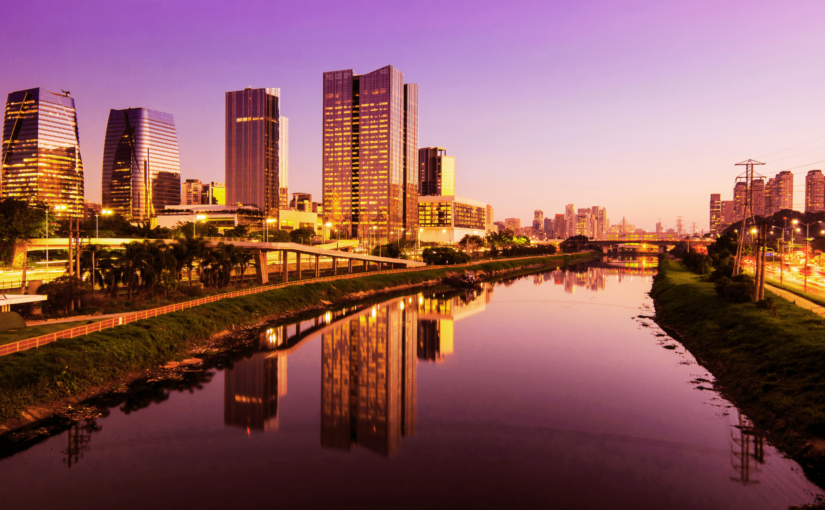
221, 216
446, 219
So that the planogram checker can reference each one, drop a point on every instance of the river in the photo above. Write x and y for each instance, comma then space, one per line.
553, 390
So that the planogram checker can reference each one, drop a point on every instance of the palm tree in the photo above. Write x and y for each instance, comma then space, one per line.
135, 264
245, 259
91, 253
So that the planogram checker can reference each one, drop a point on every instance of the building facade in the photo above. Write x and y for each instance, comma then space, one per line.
740, 192
213, 193
448, 219
814, 191
191, 191
436, 172
370, 148
779, 193
141, 166
253, 149
715, 213
41, 150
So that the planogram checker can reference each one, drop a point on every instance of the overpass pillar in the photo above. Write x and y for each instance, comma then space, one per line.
317, 266
349, 266
298, 264
334, 266
285, 262
262, 272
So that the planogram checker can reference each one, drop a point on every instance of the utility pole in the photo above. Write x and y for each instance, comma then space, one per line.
747, 210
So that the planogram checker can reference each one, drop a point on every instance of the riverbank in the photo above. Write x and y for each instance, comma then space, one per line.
771, 366
72, 367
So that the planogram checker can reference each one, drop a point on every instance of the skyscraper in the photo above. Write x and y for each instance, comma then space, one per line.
436, 175
814, 191
778, 193
740, 192
253, 149
538, 220
715, 212
141, 167
41, 150
370, 147
283, 163
190, 192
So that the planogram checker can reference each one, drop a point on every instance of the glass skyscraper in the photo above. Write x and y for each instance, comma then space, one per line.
141, 165
41, 150
436, 172
255, 132
371, 153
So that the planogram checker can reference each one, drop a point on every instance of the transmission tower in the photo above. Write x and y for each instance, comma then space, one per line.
679, 226
747, 210
693, 228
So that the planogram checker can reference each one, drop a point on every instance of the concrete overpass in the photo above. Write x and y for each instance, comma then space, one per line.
298, 255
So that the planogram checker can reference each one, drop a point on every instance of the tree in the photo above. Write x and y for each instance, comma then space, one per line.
302, 235
19, 223
279, 236
245, 259
63, 292
391, 250
88, 262
471, 243
443, 256
241, 231
500, 239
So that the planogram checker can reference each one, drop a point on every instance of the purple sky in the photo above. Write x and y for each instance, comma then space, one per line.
639, 106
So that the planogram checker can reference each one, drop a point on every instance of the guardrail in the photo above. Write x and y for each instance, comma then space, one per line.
38, 341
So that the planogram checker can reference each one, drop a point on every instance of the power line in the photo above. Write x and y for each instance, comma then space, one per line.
795, 155
794, 147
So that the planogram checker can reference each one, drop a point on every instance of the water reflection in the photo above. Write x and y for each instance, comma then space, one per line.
747, 451
595, 278
78, 437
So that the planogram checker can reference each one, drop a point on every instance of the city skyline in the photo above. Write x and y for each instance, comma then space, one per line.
607, 122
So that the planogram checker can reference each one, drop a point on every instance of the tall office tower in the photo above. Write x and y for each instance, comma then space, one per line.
191, 191
814, 191
371, 153
728, 213
548, 227
436, 172
253, 149
214, 193
141, 167
715, 213
490, 219
251, 389
740, 198
560, 227
538, 221
283, 162
570, 218
600, 222
659, 227
513, 224
368, 378
41, 150
583, 222
782, 197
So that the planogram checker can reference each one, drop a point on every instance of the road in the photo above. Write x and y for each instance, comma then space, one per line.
793, 276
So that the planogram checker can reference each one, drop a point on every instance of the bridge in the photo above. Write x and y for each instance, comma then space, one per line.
299, 256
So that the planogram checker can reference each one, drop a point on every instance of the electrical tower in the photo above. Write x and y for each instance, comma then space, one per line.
747, 210
679, 226
693, 228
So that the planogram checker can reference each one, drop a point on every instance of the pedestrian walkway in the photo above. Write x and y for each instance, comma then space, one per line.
797, 300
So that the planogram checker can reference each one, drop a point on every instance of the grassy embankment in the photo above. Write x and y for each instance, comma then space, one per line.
772, 367
71, 366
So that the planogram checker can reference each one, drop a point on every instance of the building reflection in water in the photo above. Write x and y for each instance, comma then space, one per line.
253, 386
595, 278
368, 378
437, 315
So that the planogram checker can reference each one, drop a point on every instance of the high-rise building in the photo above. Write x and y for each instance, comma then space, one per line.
513, 224
599, 221
659, 227
283, 162
538, 220
141, 166
814, 191
436, 172
190, 192
728, 213
740, 191
715, 212
214, 193
559, 226
548, 227
253, 149
490, 219
779, 193
370, 147
41, 150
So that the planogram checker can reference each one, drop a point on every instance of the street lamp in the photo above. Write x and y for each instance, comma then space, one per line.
266, 223
198, 217
807, 239
104, 212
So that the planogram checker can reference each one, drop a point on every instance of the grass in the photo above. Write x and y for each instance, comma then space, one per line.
772, 367
70, 366
15, 335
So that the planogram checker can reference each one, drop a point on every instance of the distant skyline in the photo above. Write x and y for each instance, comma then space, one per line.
642, 107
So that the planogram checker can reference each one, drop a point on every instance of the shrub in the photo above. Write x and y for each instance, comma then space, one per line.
444, 256
723, 270
738, 289
699, 263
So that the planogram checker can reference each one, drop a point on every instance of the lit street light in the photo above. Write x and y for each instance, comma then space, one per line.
199, 217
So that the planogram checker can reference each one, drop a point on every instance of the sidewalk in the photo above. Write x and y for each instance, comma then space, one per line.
797, 300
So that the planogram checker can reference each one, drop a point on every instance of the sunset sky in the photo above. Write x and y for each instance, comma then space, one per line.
642, 107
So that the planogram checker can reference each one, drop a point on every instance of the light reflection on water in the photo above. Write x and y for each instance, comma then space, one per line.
554, 389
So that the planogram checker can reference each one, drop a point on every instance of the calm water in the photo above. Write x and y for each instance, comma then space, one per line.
546, 391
